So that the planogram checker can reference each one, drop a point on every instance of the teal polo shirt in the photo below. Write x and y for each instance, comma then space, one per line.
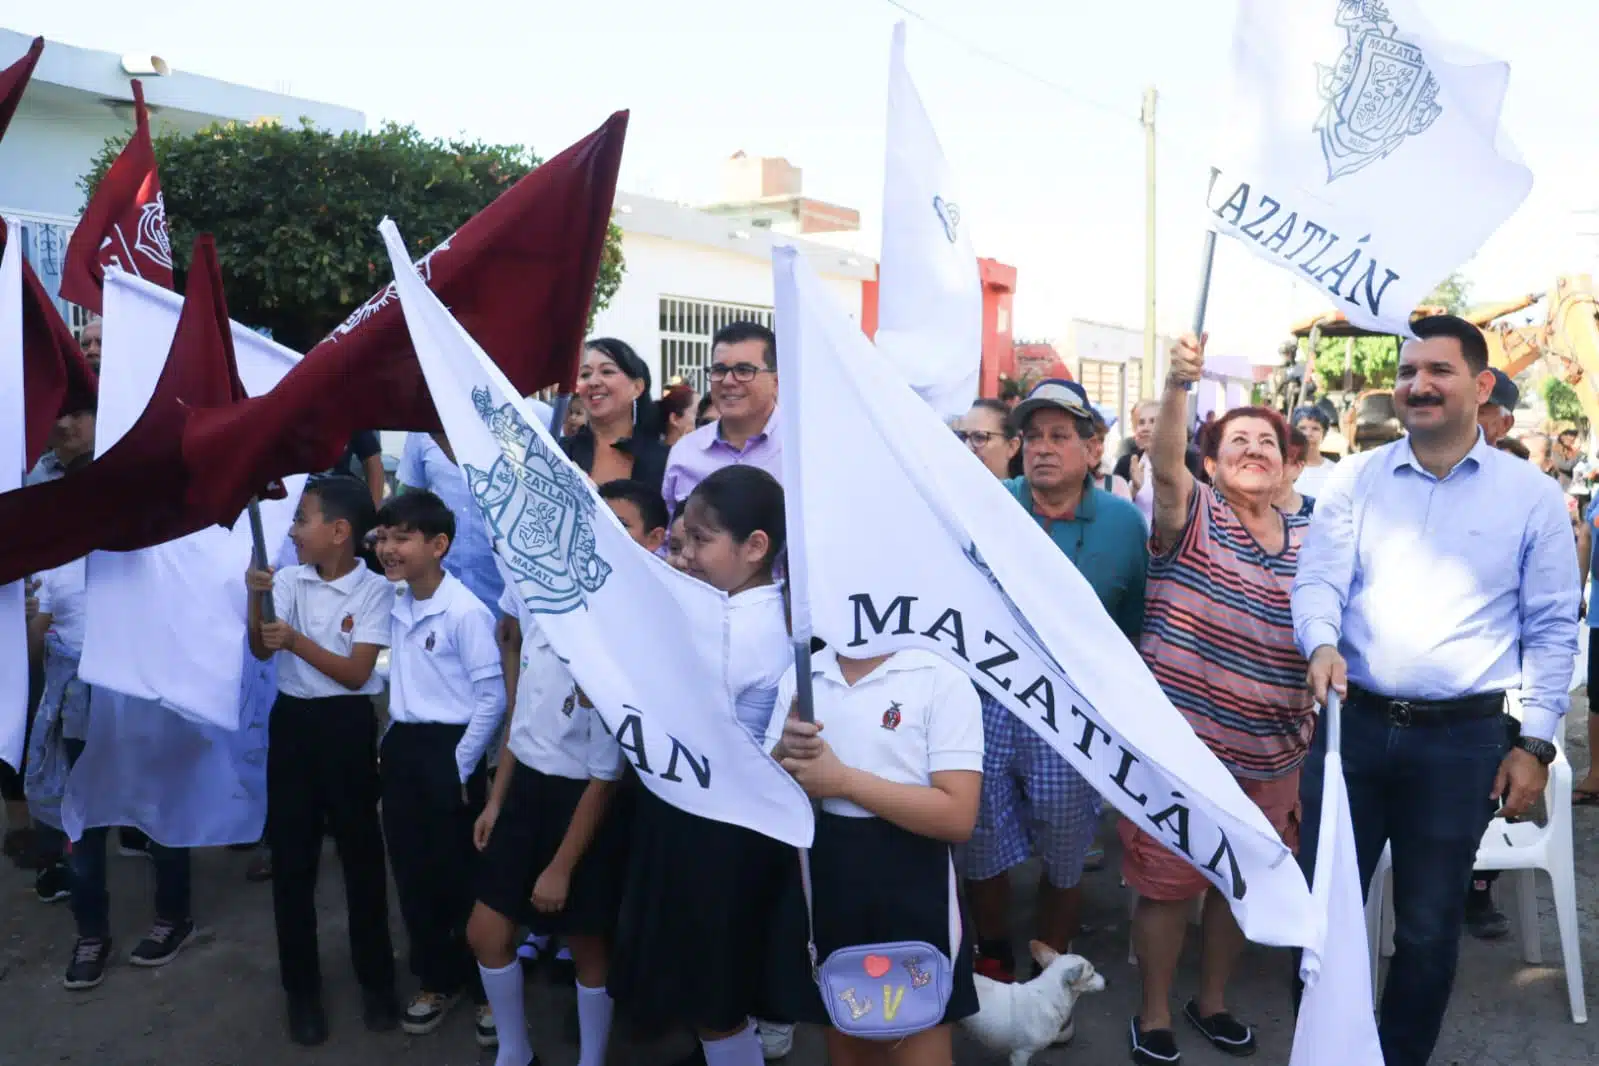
1107, 542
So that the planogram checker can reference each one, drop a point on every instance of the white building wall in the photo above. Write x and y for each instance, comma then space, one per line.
660, 266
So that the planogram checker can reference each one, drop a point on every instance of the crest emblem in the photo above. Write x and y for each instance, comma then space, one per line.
975, 557
389, 294
569, 704
348, 624
427, 645
949, 216
892, 717
1378, 94
152, 240
538, 507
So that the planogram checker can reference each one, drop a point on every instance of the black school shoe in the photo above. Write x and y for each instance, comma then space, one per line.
1224, 1032
1483, 920
308, 1022
53, 883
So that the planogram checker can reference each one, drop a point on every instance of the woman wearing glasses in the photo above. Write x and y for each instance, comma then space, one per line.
987, 431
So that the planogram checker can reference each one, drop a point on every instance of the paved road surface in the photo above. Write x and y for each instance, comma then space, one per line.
218, 1004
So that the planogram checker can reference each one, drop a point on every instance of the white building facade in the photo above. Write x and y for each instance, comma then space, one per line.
77, 100
689, 273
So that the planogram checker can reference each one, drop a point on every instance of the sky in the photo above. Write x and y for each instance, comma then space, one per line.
1036, 103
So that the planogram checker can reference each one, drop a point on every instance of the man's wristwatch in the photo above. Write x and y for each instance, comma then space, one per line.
1541, 750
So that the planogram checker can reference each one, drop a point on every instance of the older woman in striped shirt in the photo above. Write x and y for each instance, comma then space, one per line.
1218, 636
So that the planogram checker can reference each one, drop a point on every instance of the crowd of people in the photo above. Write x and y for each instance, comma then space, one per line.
1420, 582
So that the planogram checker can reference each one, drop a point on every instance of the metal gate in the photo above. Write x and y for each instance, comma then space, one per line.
687, 326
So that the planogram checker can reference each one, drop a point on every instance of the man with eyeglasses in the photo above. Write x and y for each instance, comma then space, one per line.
743, 376
1033, 802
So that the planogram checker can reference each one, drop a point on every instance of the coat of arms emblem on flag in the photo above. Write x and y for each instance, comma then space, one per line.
153, 240
1378, 93
535, 504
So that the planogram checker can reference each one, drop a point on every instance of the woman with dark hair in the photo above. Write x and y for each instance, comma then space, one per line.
1289, 499
677, 409
620, 440
987, 431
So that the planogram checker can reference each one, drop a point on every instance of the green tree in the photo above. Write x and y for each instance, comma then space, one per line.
1375, 363
1561, 401
294, 210
1453, 294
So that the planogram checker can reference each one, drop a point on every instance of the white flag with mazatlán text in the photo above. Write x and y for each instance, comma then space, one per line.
1363, 152
930, 296
13, 450
900, 538
647, 645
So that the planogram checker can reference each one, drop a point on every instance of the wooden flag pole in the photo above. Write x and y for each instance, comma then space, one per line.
258, 550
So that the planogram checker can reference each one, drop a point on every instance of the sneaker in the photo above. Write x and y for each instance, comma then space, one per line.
426, 1012
132, 844
308, 1022
488, 1035
53, 883
162, 943
87, 968
1152, 1047
380, 1010
777, 1040
1483, 919
993, 969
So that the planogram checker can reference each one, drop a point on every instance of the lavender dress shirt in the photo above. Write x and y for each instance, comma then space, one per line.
703, 452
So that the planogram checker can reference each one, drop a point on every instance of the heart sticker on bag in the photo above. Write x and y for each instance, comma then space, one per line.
877, 965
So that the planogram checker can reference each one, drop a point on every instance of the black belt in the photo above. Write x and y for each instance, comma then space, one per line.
1406, 713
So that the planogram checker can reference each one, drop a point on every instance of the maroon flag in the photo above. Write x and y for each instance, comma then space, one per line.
519, 275
133, 496
56, 379
125, 223
14, 79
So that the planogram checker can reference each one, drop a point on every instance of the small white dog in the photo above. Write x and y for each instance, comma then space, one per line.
1024, 1019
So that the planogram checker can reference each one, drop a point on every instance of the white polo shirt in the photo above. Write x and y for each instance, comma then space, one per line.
912, 717
441, 645
337, 615
61, 596
759, 651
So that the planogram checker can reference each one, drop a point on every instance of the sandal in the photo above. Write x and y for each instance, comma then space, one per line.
1224, 1032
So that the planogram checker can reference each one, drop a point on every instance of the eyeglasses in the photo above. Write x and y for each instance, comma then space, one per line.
978, 437
743, 373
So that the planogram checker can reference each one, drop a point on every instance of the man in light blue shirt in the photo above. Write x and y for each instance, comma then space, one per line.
1438, 573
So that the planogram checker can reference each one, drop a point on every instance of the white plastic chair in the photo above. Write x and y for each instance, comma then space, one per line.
1524, 848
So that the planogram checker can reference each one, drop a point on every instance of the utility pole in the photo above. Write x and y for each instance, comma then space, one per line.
1147, 116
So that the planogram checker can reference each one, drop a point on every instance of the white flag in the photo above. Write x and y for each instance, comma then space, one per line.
909, 541
647, 644
166, 623
1336, 1026
13, 449
930, 300
1364, 152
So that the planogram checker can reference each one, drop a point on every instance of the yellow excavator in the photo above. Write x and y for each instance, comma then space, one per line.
1568, 339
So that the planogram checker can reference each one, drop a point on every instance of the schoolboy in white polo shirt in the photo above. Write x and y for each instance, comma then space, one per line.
332, 619
446, 700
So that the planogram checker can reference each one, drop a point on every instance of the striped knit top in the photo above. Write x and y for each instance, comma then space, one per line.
1219, 637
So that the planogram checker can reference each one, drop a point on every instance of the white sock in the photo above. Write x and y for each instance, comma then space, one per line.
741, 1050
504, 990
594, 1009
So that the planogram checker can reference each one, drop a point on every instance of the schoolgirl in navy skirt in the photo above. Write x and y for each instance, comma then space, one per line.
696, 921
895, 757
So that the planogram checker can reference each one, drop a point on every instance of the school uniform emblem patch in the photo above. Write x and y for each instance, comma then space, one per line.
348, 624
427, 645
570, 703
537, 506
892, 717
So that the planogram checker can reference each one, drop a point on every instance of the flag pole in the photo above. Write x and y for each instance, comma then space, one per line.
1206, 264
558, 409
258, 550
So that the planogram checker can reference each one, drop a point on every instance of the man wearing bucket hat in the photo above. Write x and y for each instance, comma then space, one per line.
1033, 802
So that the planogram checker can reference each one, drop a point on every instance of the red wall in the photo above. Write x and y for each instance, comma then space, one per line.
999, 290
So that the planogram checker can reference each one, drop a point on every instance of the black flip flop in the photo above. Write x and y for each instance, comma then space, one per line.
1224, 1032
1154, 1047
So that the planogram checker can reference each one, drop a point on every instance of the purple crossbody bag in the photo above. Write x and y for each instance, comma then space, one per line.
885, 991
